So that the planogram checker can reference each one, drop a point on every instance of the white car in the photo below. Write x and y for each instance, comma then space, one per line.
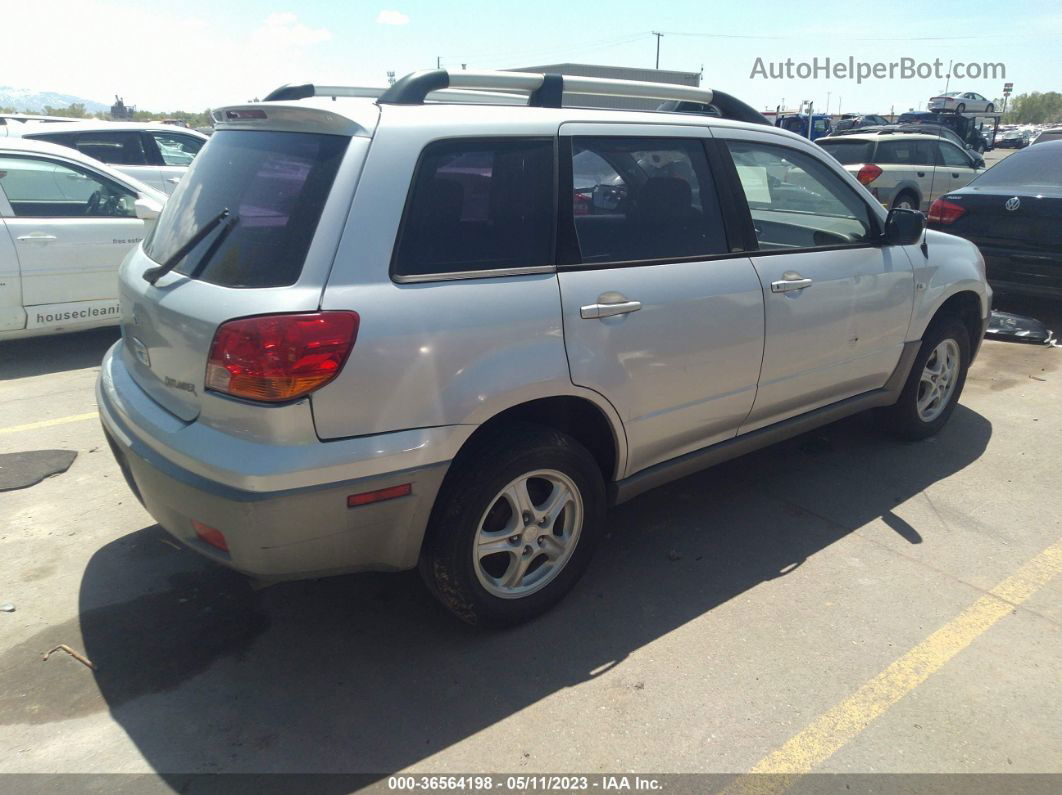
66, 223
906, 170
156, 154
962, 102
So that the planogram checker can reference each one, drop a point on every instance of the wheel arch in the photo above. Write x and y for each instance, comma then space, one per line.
966, 306
594, 426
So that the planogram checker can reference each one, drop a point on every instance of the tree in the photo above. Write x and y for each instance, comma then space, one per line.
74, 111
1036, 108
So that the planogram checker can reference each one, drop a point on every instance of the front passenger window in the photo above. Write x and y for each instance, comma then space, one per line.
797, 202
39, 188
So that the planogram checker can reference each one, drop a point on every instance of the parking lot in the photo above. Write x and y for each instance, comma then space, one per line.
839, 603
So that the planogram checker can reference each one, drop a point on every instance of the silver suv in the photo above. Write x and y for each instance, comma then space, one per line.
430, 328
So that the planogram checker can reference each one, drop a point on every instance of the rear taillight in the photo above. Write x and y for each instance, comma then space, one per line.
868, 174
945, 212
274, 358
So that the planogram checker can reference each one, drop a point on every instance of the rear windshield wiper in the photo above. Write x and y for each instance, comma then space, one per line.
152, 275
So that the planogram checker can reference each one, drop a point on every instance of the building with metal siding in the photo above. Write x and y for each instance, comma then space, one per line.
616, 73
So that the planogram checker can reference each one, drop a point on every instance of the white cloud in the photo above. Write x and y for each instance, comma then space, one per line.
386, 17
283, 29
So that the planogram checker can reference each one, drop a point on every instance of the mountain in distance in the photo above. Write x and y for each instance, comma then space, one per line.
30, 101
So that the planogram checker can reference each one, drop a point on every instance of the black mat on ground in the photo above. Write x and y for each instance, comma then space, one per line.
19, 470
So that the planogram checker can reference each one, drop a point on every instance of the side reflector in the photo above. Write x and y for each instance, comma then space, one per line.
210, 535
390, 493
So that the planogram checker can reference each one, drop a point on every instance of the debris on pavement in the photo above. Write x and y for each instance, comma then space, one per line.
1008, 327
79, 657
21, 470
7, 607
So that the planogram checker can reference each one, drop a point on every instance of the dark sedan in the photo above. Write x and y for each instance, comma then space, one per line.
1013, 212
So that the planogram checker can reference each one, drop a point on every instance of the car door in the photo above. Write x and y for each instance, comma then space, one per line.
172, 153
71, 227
954, 167
12, 315
662, 311
837, 302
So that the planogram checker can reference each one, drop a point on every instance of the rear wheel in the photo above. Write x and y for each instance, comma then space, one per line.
514, 527
960, 107
905, 200
935, 383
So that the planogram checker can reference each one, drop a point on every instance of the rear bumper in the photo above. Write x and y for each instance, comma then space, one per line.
276, 532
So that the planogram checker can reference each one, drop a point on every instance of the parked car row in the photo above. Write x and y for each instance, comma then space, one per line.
66, 222
156, 154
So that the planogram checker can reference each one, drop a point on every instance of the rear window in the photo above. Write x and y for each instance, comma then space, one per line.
848, 153
274, 184
1031, 167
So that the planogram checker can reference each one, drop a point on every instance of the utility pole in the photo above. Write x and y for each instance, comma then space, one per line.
658, 37
438, 62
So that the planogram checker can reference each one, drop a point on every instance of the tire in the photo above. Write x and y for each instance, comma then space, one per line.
905, 199
990, 108
476, 510
960, 107
946, 338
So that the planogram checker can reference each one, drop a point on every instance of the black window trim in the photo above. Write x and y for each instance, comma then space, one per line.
74, 165
569, 256
876, 239
487, 273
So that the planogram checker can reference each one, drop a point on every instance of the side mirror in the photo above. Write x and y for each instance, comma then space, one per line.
147, 209
903, 227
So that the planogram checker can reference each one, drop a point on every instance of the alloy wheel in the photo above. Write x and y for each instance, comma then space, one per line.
527, 534
938, 380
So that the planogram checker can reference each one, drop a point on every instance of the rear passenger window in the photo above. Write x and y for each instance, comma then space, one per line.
479, 204
910, 153
120, 148
644, 199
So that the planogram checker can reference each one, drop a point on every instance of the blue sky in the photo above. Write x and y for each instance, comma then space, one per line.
200, 53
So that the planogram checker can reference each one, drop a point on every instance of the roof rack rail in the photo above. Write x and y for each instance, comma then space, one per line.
530, 88
545, 90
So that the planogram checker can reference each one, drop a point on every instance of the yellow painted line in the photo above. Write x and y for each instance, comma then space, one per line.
843, 722
32, 426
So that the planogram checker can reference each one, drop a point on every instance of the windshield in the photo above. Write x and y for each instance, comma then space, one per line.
274, 183
1040, 167
848, 153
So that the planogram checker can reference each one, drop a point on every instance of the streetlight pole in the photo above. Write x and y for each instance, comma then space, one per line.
658, 37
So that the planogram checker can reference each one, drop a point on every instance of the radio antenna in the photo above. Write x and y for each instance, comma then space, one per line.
936, 157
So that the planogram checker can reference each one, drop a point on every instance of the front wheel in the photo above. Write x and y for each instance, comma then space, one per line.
960, 108
990, 108
934, 384
514, 526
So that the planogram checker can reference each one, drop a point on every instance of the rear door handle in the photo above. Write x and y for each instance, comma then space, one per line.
591, 311
173, 180
921, 173
790, 282
36, 238
954, 174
